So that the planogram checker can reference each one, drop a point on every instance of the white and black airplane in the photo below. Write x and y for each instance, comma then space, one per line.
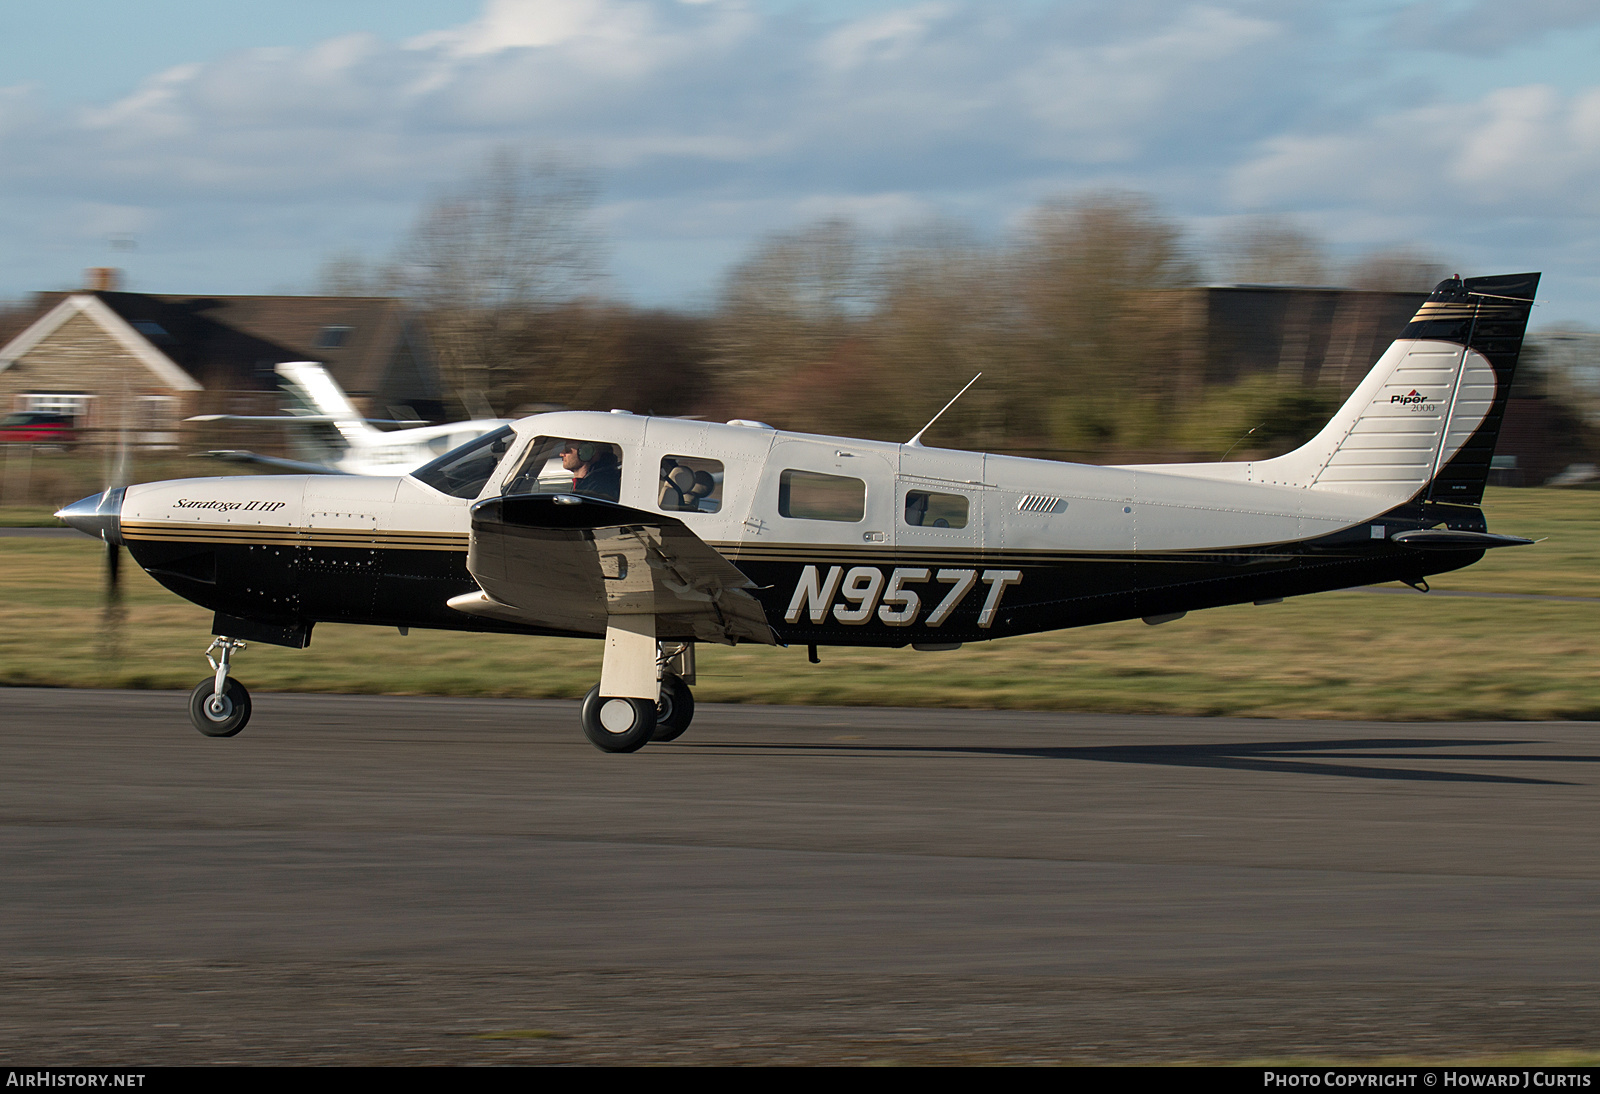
656, 534
336, 439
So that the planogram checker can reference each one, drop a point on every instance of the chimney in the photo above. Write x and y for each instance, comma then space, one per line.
102, 278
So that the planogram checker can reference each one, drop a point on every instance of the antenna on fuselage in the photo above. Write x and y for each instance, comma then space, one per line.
916, 442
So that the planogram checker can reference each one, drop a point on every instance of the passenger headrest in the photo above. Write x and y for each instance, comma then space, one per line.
682, 479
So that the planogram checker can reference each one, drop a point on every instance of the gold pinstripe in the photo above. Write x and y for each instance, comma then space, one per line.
734, 551
1446, 309
261, 535
808, 553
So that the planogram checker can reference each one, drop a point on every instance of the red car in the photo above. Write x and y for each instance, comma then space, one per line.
30, 427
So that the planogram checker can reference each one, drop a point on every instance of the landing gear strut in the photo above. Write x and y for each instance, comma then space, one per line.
621, 723
220, 706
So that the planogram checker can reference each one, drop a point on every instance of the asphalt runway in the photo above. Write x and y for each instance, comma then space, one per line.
387, 880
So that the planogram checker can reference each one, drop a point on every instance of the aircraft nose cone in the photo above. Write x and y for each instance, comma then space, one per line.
98, 515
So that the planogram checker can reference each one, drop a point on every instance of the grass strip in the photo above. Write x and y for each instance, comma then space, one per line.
1334, 655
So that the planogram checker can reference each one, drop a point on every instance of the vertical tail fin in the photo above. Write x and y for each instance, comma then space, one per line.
1426, 418
321, 393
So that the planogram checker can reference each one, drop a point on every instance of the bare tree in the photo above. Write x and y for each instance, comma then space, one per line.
828, 329
947, 312
1396, 271
1103, 337
1272, 251
790, 304
486, 255
589, 354
349, 273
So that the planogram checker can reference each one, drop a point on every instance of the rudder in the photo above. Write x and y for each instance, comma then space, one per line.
1489, 318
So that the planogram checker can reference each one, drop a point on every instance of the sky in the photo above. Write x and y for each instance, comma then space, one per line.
209, 148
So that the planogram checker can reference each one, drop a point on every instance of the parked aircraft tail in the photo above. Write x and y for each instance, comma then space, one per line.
1424, 422
310, 383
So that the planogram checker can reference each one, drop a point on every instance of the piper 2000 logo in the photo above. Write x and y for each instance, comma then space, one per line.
864, 589
1416, 401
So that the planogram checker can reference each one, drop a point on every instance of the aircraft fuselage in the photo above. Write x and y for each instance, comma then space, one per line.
1040, 545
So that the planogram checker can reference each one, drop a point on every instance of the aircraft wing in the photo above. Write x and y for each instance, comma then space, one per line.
234, 455
302, 419
569, 562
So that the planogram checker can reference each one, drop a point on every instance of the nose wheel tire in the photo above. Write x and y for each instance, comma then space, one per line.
615, 724
674, 710
219, 715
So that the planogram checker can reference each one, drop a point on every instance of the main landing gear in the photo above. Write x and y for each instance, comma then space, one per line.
616, 723
219, 706
659, 674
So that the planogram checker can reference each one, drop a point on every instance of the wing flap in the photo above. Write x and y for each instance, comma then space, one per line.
573, 562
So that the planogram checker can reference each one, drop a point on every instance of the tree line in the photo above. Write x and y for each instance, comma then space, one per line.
1079, 321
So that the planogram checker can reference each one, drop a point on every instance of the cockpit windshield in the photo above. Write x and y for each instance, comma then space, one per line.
462, 471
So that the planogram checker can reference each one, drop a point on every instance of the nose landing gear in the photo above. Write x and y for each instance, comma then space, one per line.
220, 706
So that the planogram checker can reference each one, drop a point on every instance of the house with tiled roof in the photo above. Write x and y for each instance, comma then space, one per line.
144, 362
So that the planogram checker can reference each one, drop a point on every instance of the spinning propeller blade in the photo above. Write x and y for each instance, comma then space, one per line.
112, 612
113, 571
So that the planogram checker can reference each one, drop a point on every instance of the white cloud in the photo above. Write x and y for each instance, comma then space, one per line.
891, 36
1515, 150
1488, 27
97, 221
712, 119
1103, 102
632, 82
520, 24
19, 109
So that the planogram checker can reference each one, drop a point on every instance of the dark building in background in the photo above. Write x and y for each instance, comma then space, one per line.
1314, 335
1331, 338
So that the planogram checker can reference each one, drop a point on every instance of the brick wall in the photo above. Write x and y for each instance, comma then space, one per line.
80, 357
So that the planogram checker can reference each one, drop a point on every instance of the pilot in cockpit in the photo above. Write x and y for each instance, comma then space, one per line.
594, 467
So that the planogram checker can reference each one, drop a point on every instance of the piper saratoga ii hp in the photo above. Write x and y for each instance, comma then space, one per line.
656, 534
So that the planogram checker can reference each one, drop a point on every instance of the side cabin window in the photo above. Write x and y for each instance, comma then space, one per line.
461, 472
810, 495
569, 465
690, 484
925, 509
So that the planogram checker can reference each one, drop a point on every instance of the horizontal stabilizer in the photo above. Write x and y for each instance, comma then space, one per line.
1446, 539
571, 563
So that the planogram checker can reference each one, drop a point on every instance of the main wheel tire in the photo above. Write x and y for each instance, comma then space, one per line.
615, 724
219, 715
674, 710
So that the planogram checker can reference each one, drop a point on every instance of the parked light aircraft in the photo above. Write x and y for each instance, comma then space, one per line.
337, 439
743, 533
